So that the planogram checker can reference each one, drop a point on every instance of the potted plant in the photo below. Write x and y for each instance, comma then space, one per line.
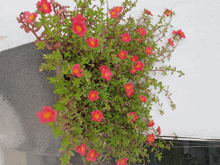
103, 63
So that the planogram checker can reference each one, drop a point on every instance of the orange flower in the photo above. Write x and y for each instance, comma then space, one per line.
122, 161
170, 42
92, 155
142, 32
97, 116
81, 149
167, 12
93, 42
77, 70
134, 58
93, 95
29, 17
114, 14
151, 123
143, 98
79, 28
45, 6
47, 115
125, 37
122, 54
151, 138
135, 116
128, 87
148, 12
139, 66
148, 50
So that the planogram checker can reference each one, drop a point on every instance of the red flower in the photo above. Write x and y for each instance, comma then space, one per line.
78, 18
170, 42
139, 66
29, 17
135, 116
167, 12
77, 70
151, 123
130, 93
79, 28
134, 58
122, 161
148, 50
47, 115
125, 37
103, 68
122, 54
150, 138
159, 130
133, 70
179, 32
81, 149
148, 12
97, 116
128, 87
93, 42
143, 98
142, 32
93, 95
106, 74
138, 39
114, 14
118, 9
92, 155
45, 6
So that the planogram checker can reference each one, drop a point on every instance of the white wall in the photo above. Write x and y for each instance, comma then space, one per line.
196, 94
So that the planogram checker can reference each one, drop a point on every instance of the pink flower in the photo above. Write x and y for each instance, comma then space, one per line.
47, 115
179, 32
151, 138
81, 149
143, 98
170, 42
134, 58
93, 95
122, 54
45, 6
122, 161
142, 32
106, 74
118, 9
93, 42
29, 17
77, 70
128, 87
135, 116
167, 12
103, 68
151, 123
139, 66
114, 14
97, 116
92, 155
125, 37
132, 70
130, 93
78, 18
148, 12
159, 130
148, 50
79, 28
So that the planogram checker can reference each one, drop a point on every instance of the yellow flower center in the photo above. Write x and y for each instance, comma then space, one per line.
125, 38
92, 43
96, 116
113, 13
31, 17
93, 95
148, 51
92, 154
47, 115
151, 138
122, 54
79, 28
142, 99
76, 71
81, 149
128, 87
182, 33
106, 74
44, 6
122, 161
138, 66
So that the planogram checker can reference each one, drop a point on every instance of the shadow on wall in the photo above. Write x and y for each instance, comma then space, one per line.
23, 92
